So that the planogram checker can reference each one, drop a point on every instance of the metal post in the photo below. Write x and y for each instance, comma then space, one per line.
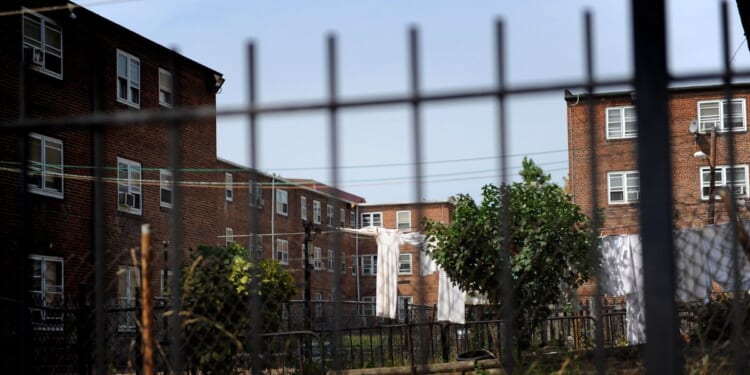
712, 170
662, 354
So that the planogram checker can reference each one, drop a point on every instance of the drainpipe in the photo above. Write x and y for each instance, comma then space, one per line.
356, 249
273, 216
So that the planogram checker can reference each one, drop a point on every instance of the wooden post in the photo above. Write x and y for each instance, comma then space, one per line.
146, 309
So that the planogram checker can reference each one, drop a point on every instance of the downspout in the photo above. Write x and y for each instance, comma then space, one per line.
356, 250
273, 216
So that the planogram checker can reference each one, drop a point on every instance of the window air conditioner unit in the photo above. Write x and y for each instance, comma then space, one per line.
33, 56
709, 125
130, 200
739, 190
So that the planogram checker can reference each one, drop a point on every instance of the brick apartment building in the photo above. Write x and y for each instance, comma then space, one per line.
63, 62
615, 131
60, 63
412, 287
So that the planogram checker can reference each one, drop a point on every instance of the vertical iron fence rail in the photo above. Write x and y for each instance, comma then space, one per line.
654, 163
599, 357
504, 254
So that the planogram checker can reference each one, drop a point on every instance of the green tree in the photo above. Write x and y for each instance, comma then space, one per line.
550, 239
217, 314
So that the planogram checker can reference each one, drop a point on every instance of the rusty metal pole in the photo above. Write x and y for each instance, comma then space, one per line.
146, 309
712, 184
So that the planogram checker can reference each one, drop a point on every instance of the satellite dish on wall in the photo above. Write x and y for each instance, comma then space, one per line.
693, 126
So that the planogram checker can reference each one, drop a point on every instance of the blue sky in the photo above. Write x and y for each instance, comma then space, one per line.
544, 40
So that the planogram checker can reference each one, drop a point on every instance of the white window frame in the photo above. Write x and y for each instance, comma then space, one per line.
46, 170
132, 275
330, 215
706, 123
369, 264
228, 236
353, 218
255, 192
133, 81
228, 187
40, 45
622, 132
331, 261
303, 207
166, 183
368, 306
317, 259
317, 212
629, 193
404, 264
166, 97
342, 217
369, 217
282, 251
282, 202
129, 186
401, 306
400, 220
40, 297
721, 180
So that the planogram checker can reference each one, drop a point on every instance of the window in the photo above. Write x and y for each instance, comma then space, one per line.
255, 191
621, 122
352, 219
166, 280
128, 279
317, 261
374, 219
228, 187
303, 208
403, 302
165, 88
129, 186
369, 264
45, 165
331, 261
128, 79
318, 305
282, 202
229, 236
329, 215
343, 264
623, 187
42, 42
368, 306
342, 218
282, 251
403, 220
404, 264
165, 188
716, 114
46, 289
733, 178
316, 212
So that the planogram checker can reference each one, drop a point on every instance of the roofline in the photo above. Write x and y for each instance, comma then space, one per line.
406, 203
571, 97
295, 182
122, 28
